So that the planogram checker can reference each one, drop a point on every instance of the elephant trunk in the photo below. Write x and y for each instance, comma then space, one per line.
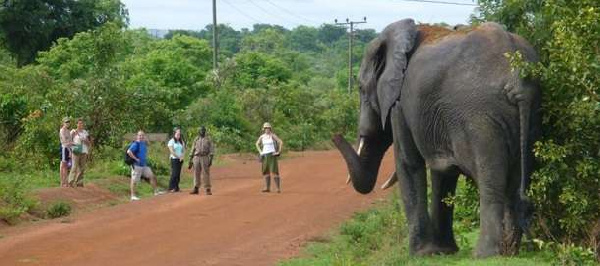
363, 168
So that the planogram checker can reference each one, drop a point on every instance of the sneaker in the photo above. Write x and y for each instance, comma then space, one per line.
158, 192
134, 198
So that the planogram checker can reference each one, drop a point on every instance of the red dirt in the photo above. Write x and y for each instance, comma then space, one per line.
237, 225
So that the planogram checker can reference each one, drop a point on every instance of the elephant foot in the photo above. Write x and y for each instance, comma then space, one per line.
436, 249
485, 251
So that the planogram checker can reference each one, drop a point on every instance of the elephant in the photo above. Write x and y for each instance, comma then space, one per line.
451, 102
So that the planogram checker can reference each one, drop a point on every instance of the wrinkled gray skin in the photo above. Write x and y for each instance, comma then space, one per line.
456, 107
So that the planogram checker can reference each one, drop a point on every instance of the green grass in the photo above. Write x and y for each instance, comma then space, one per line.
58, 209
378, 237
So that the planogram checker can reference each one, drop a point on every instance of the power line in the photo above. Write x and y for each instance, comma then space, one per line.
241, 12
270, 13
440, 2
350, 35
291, 13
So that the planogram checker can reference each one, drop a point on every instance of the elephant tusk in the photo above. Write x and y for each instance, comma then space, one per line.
361, 143
391, 181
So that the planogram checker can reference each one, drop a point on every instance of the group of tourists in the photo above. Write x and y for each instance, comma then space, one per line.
76, 144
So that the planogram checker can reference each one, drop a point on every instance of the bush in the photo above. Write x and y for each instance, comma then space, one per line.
14, 199
566, 35
58, 209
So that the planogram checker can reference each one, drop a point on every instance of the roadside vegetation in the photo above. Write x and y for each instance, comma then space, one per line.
378, 236
90, 64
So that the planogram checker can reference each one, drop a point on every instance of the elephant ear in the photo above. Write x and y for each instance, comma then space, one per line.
398, 40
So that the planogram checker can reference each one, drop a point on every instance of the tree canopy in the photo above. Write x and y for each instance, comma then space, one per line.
29, 26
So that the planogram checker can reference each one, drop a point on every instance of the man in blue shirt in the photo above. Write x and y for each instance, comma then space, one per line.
138, 151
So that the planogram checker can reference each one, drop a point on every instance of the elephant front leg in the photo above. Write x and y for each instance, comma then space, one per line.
413, 190
410, 169
443, 184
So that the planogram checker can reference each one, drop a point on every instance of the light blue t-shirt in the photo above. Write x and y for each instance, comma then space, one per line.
177, 147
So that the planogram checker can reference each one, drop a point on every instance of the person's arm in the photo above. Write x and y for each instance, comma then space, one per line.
191, 163
182, 151
131, 153
87, 139
171, 145
279, 144
211, 153
257, 144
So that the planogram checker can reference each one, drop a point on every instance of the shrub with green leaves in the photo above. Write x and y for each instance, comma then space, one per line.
566, 34
58, 209
14, 198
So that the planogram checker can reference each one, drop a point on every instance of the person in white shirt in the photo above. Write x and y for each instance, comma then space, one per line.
80, 149
270, 150
177, 150
65, 151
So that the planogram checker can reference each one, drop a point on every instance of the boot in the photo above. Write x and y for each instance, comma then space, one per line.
208, 192
195, 191
267, 184
278, 183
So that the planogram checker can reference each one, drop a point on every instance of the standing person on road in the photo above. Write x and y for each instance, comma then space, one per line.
80, 150
271, 148
201, 158
65, 151
177, 150
139, 151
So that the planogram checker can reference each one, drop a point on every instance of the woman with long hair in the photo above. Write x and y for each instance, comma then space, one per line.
177, 150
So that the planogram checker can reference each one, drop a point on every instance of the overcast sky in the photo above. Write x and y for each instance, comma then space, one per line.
196, 14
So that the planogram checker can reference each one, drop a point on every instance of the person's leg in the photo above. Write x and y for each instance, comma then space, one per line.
178, 165
173, 174
64, 168
147, 172
136, 174
265, 172
197, 175
274, 169
74, 170
206, 174
82, 163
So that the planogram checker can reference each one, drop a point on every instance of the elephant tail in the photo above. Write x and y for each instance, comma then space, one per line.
524, 206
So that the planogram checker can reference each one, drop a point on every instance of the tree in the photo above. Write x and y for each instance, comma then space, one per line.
304, 39
329, 33
29, 26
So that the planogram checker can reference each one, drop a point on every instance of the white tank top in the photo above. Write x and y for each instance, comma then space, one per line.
268, 145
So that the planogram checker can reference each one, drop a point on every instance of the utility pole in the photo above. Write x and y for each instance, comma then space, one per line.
350, 35
214, 39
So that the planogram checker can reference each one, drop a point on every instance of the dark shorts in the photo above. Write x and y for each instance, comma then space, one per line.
269, 164
64, 154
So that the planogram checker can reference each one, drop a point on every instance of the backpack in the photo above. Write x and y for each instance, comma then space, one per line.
128, 160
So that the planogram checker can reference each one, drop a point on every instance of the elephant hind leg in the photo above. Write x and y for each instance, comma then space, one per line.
511, 239
443, 184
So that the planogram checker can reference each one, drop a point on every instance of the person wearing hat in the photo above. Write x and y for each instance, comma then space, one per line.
271, 148
65, 150
202, 154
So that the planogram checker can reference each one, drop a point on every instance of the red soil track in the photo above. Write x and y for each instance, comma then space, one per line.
237, 225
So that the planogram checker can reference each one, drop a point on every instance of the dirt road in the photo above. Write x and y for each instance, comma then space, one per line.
237, 225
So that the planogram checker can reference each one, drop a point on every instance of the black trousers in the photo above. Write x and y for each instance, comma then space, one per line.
175, 174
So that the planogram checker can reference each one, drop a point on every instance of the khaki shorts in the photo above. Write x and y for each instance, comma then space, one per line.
138, 171
269, 164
